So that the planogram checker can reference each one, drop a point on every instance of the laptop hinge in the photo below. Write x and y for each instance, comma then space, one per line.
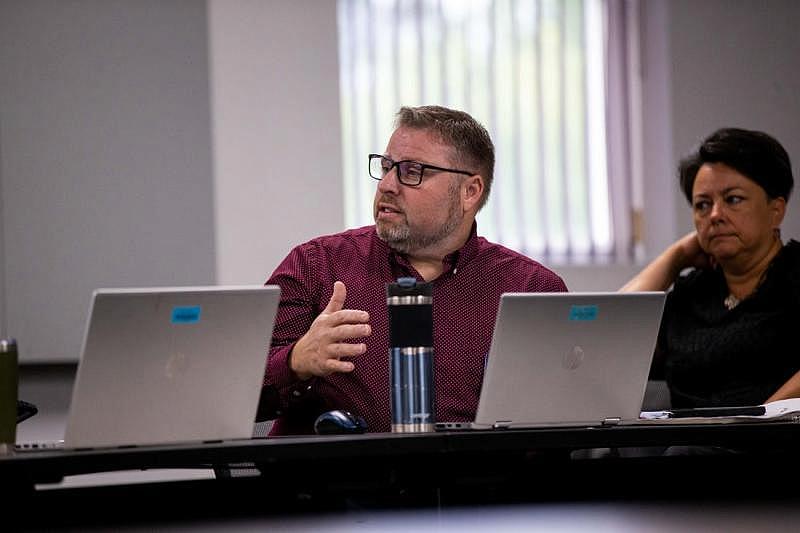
502, 424
612, 421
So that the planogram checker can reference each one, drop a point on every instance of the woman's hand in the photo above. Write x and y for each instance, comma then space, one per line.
662, 271
690, 254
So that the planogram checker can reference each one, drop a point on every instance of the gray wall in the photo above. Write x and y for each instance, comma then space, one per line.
188, 142
277, 147
736, 63
111, 173
105, 159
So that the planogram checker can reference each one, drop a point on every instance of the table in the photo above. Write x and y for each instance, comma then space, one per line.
319, 475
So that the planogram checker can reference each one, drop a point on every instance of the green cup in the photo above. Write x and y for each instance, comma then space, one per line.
9, 383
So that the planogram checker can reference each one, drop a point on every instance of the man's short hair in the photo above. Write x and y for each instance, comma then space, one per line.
472, 146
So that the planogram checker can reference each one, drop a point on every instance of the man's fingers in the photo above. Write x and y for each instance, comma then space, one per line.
348, 330
332, 328
346, 316
336, 302
334, 313
334, 365
345, 349
331, 363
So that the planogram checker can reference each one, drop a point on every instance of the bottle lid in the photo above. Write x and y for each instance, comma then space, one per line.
409, 287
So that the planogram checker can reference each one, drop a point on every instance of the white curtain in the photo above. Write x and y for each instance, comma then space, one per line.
550, 81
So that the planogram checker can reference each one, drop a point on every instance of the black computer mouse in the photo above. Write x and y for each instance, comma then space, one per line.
339, 422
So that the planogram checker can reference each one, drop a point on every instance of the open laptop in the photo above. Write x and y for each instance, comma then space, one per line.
567, 359
170, 365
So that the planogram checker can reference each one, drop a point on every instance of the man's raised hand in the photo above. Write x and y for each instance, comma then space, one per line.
319, 351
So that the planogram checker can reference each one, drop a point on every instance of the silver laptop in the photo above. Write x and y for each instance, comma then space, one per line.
568, 359
170, 365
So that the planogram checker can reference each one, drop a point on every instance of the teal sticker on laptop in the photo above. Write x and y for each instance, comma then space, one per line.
186, 314
583, 312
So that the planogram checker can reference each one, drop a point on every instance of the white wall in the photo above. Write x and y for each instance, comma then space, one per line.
277, 148
173, 143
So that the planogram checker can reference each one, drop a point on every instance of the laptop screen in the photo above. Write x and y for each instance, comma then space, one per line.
569, 358
167, 365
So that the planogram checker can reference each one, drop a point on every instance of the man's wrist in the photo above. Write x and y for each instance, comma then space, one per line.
302, 376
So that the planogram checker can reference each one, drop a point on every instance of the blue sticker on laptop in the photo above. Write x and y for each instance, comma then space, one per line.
186, 314
583, 312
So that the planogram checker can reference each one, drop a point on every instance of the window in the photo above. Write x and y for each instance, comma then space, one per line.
534, 72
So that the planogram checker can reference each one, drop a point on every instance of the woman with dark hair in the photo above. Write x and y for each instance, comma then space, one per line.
732, 323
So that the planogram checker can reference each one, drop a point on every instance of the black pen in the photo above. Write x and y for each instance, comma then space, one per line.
747, 410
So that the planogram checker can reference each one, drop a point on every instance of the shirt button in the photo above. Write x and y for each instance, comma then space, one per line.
296, 393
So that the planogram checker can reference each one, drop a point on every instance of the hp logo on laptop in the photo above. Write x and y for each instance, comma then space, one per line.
573, 358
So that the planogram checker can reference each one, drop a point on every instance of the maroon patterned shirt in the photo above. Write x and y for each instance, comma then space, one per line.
465, 301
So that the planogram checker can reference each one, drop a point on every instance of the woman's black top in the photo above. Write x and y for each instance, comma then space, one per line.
712, 356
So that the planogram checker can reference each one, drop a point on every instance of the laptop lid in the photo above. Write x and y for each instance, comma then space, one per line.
168, 365
569, 358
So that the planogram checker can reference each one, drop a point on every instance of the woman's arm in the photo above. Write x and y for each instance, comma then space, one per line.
662, 271
790, 389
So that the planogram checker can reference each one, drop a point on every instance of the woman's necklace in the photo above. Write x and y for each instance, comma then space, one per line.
731, 301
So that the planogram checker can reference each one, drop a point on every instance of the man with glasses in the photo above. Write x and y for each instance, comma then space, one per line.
330, 344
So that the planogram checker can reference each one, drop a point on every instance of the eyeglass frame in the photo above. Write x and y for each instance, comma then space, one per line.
400, 178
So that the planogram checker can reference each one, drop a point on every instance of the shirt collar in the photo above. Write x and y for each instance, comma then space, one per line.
451, 261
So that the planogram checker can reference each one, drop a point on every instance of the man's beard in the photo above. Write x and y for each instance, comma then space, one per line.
401, 239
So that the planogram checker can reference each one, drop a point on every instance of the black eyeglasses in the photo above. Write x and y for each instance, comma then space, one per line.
408, 172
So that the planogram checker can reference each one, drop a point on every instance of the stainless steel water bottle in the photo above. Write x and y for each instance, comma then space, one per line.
410, 307
8, 394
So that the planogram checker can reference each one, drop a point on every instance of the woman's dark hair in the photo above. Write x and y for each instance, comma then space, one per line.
754, 154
